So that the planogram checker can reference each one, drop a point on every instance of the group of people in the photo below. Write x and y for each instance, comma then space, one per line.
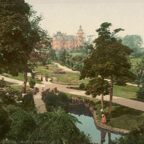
46, 77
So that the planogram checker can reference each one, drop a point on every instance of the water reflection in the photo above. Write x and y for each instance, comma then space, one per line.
88, 126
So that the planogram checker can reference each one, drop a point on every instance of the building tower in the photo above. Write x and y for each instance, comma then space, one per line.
80, 37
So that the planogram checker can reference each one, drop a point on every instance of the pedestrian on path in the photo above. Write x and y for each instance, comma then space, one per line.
46, 77
41, 78
42, 89
103, 116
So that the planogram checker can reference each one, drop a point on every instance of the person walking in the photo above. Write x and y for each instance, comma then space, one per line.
46, 77
41, 78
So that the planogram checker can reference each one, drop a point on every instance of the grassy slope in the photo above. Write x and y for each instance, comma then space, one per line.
20, 77
122, 117
134, 61
69, 77
19, 88
125, 91
120, 91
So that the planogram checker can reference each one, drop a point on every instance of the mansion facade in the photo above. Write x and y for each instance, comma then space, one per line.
61, 41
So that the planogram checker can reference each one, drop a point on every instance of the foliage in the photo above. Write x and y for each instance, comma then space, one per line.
32, 82
109, 59
53, 101
134, 42
58, 127
50, 127
40, 49
82, 86
122, 117
2, 83
139, 71
74, 62
28, 103
96, 87
17, 37
140, 93
5, 99
119, 81
12, 93
136, 136
63, 56
5, 123
23, 124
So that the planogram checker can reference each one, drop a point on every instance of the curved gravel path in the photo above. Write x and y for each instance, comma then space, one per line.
63, 88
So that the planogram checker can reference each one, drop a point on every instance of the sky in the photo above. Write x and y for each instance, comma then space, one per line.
67, 15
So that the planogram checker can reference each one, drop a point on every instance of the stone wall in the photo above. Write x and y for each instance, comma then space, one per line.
98, 124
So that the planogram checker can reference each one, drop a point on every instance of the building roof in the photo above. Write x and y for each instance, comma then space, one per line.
64, 37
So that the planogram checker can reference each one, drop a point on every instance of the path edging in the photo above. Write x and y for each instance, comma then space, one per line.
98, 124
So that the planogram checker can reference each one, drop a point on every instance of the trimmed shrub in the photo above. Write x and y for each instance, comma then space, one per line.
82, 86
2, 83
28, 102
32, 83
5, 123
140, 93
53, 101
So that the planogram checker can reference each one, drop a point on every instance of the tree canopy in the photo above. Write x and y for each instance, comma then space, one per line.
134, 42
109, 58
17, 37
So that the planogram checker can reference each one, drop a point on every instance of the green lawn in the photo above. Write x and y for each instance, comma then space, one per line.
20, 77
19, 88
67, 78
122, 117
134, 61
125, 91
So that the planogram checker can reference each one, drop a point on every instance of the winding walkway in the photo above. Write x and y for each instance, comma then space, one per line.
63, 88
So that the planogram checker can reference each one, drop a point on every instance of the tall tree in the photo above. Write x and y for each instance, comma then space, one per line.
134, 42
138, 71
110, 58
16, 37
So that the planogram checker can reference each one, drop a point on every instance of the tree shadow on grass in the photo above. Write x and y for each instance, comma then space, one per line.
122, 110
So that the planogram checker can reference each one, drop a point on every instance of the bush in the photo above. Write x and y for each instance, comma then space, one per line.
140, 93
2, 83
82, 86
5, 99
136, 136
53, 101
5, 123
12, 93
32, 83
28, 102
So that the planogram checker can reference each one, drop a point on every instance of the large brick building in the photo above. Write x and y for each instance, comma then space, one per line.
68, 42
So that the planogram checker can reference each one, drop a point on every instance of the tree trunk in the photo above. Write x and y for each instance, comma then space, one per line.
32, 75
111, 96
102, 103
109, 137
24, 84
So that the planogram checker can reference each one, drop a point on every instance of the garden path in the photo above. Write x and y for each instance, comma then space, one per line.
63, 88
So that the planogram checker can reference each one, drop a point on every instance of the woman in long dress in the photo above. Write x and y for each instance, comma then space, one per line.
103, 117
41, 78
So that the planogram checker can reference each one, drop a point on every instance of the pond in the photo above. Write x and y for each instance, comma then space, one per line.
89, 127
